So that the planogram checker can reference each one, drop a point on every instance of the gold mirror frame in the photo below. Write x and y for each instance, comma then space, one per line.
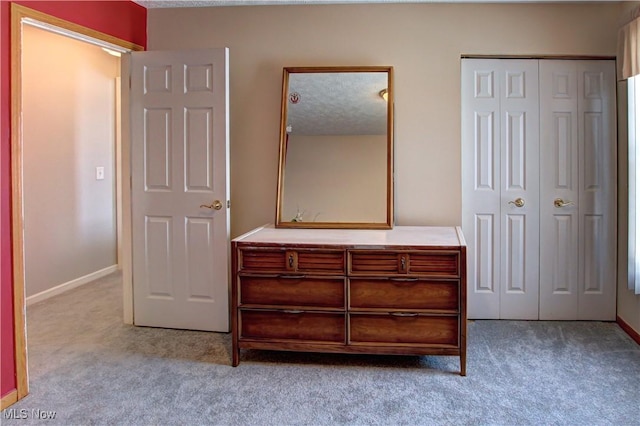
387, 223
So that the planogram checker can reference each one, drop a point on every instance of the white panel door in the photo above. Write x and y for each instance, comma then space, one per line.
500, 186
180, 186
578, 204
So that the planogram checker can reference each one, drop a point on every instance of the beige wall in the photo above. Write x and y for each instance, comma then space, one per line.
69, 129
336, 178
422, 41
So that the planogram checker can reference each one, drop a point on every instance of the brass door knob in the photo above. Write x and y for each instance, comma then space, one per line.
216, 205
559, 202
518, 202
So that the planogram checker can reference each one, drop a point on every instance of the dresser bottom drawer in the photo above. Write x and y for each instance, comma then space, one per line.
393, 329
302, 326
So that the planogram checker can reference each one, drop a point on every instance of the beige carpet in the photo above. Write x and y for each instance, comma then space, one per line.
89, 368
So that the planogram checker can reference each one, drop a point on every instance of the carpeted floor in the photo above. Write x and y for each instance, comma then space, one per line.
89, 368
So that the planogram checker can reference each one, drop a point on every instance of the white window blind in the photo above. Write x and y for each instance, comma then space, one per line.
633, 85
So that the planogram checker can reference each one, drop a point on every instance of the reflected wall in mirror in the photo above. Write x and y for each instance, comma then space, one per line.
336, 148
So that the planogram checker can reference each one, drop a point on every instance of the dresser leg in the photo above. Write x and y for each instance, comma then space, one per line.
463, 364
235, 357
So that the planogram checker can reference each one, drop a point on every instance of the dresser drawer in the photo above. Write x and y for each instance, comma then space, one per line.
440, 263
425, 263
404, 294
262, 260
305, 326
282, 260
291, 290
394, 329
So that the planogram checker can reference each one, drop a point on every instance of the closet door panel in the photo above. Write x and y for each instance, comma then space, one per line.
558, 181
597, 186
519, 163
481, 184
578, 193
500, 163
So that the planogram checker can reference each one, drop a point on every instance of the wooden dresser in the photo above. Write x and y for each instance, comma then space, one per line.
398, 291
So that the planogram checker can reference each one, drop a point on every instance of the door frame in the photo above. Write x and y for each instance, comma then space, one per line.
18, 15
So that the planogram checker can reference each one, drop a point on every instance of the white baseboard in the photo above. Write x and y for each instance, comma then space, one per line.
54, 291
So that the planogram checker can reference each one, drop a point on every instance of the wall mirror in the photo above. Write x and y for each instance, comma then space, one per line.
336, 148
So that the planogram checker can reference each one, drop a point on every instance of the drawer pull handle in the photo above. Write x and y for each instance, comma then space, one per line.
290, 261
403, 263
403, 314
404, 279
293, 311
292, 277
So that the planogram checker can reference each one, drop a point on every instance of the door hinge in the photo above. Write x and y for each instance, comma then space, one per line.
228, 204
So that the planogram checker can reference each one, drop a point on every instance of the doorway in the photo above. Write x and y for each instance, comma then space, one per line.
69, 144
19, 16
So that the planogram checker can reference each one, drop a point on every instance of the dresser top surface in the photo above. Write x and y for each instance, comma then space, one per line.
409, 236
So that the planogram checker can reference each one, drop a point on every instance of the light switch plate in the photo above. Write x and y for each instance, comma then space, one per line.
99, 173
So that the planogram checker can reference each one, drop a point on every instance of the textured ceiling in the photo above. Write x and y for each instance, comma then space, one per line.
152, 4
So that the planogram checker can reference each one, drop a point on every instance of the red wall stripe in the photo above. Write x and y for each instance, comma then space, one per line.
122, 19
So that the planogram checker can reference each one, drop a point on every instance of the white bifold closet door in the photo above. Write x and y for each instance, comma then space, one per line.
501, 187
538, 173
578, 192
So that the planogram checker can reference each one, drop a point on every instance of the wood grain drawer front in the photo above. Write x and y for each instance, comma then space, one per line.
292, 291
299, 326
321, 261
373, 262
404, 294
440, 263
262, 260
282, 260
425, 263
391, 329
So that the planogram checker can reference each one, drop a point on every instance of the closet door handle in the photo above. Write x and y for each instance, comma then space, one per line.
559, 203
518, 202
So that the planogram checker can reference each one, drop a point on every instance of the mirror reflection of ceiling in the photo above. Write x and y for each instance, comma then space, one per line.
337, 103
